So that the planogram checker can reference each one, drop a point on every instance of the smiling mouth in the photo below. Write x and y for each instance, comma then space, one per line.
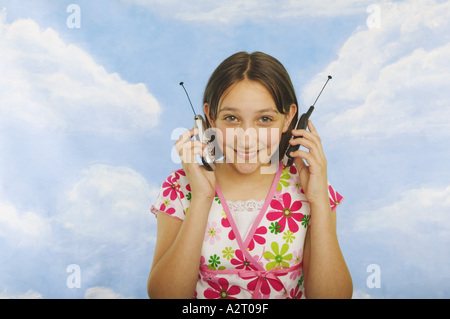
246, 154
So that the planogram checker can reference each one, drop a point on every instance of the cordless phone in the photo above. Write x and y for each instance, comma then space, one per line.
200, 124
301, 125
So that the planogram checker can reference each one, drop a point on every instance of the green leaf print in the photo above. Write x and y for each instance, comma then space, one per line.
214, 260
228, 253
289, 237
305, 221
275, 228
283, 182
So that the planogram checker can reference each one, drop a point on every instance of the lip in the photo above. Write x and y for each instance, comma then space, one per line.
246, 155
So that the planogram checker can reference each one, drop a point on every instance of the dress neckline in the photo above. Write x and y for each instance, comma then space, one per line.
244, 242
243, 206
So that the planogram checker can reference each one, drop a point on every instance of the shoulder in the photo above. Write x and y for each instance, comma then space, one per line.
174, 196
290, 182
176, 185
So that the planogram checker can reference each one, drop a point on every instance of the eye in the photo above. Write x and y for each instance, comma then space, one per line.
265, 119
230, 118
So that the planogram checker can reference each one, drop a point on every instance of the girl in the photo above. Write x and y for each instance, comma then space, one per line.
241, 231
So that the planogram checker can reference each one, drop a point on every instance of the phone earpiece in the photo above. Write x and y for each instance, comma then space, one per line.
208, 160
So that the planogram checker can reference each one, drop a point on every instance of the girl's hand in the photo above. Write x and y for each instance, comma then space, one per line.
313, 177
202, 181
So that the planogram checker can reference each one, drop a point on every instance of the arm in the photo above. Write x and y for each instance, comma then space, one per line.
325, 271
176, 260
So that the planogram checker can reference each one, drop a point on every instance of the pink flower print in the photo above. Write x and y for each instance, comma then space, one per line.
297, 257
285, 213
208, 276
296, 273
335, 198
297, 186
282, 295
172, 188
212, 232
166, 209
293, 170
226, 223
257, 237
295, 293
266, 284
241, 262
179, 173
221, 290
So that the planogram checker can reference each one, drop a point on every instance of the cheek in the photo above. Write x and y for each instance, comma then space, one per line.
269, 138
221, 138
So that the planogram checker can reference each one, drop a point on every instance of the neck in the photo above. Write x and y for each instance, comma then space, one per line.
238, 186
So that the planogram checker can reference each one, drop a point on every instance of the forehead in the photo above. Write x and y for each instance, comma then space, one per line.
247, 95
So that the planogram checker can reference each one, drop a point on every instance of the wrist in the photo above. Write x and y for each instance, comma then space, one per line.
320, 204
201, 202
202, 197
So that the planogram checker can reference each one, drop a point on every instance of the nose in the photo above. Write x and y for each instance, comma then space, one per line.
246, 138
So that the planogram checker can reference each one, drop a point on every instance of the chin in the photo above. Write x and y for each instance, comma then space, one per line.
246, 168
246, 163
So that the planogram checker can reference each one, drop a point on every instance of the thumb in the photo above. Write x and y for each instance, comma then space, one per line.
299, 163
302, 171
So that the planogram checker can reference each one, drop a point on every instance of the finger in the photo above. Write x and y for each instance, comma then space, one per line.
312, 136
305, 134
313, 145
303, 171
312, 128
313, 131
307, 156
185, 137
191, 145
190, 150
315, 165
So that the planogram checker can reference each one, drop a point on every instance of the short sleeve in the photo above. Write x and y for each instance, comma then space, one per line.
335, 197
174, 196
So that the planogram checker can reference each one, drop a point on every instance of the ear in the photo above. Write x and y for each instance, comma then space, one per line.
207, 114
289, 117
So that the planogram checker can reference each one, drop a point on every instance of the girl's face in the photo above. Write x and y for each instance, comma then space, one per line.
249, 126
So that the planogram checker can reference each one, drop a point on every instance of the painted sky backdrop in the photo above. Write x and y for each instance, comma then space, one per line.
90, 108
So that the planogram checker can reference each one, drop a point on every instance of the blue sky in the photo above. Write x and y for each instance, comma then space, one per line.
87, 116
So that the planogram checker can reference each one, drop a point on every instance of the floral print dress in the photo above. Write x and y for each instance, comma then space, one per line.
267, 261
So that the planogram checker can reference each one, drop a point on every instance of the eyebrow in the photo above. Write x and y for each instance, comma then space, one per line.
234, 109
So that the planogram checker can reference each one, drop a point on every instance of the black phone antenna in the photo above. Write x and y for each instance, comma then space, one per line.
329, 78
182, 84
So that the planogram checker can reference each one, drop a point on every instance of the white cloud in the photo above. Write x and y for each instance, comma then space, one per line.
391, 80
30, 294
102, 293
419, 212
359, 294
48, 83
235, 12
110, 204
23, 228
408, 238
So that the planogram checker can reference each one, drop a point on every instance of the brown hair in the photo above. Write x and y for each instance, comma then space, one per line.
260, 67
